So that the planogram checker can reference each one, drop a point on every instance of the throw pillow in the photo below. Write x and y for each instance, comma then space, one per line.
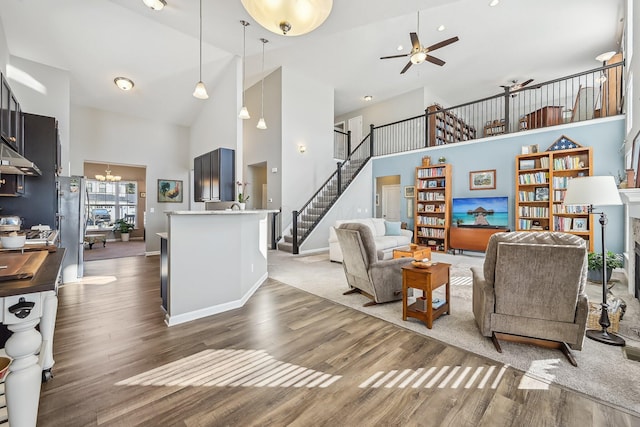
392, 228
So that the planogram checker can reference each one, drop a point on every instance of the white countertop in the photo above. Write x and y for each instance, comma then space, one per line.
224, 212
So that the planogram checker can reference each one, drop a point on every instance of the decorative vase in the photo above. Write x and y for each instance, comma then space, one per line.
124, 237
242, 206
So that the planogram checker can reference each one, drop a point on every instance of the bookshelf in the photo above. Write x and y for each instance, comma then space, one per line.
541, 183
433, 206
447, 128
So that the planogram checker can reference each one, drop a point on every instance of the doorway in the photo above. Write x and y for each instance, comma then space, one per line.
388, 197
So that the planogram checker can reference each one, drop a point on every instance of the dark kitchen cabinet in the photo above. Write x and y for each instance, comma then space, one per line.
214, 175
10, 120
39, 203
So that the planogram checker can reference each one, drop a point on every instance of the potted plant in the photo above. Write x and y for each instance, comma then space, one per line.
595, 265
242, 194
124, 228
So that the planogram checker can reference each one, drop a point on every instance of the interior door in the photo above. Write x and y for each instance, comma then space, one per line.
355, 126
391, 202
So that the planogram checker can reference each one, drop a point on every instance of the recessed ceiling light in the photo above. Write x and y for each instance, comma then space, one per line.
441, 28
400, 47
155, 4
123, 83
494, 3
368, 97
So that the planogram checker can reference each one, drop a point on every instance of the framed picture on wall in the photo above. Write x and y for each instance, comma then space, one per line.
169, 191
482, 180
409, 191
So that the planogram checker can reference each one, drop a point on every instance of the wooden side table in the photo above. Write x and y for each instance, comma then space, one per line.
425, 279
420, 252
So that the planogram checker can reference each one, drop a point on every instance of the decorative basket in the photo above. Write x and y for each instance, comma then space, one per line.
593, 318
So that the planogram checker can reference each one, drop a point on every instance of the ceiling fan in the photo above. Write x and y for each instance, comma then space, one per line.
419, 54
515, 86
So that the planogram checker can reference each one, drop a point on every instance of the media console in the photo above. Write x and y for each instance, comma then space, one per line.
471, 238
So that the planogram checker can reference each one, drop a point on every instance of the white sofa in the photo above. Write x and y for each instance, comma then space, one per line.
384, 244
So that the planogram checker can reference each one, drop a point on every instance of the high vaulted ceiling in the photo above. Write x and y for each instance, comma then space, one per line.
97, 40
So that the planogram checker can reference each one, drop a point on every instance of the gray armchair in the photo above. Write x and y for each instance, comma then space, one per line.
532, 289
379, 280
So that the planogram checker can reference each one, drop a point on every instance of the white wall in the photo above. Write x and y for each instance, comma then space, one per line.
400, 107
4, 50
307, 118
632, 69
102, 136
45, 91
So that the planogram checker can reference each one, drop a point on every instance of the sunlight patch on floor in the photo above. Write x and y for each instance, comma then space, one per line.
538, 376
93, 280
438, 377
232, 368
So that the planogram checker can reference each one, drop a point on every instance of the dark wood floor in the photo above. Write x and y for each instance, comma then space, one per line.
286, 358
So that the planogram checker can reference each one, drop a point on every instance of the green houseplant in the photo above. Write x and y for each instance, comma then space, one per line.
595, 265
124, 228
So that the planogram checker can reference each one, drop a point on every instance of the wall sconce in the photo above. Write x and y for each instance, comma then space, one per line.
302, 148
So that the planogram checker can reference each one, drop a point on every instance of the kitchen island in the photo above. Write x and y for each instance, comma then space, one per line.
211, 261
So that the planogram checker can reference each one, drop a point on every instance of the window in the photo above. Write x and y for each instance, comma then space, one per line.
109, 201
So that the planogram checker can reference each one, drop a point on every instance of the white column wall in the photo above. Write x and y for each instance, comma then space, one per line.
307, 118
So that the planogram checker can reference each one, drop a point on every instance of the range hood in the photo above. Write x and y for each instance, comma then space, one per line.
12, 163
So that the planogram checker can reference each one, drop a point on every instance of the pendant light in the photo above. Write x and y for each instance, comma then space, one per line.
261, 123
200, 91
244, 113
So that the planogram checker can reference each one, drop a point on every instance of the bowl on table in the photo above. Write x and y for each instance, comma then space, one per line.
13, 242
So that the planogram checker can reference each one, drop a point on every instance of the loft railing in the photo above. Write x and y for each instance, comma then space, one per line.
583, 96
306, 219
341, 144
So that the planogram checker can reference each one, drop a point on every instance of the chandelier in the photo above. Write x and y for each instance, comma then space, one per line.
108, 177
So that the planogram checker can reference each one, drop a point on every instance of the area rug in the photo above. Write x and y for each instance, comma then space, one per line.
603, 371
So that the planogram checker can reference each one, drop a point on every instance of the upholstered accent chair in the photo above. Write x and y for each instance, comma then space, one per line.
532, 289
380, 280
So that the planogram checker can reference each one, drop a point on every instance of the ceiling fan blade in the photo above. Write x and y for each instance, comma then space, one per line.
442, 44
406, 67
414, 41
435, 60
526, 82
395, 56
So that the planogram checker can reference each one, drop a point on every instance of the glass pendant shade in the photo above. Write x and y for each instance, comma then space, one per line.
244, 113
289, 17
201, 91
418, 57
261, 123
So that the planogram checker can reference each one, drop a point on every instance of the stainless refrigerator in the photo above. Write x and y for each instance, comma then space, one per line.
71, 225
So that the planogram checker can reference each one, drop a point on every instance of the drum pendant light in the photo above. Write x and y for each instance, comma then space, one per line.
261, 123
244, 113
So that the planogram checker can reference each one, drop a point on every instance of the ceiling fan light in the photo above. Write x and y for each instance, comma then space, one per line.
261, 123
418, 57
155, 4
244, 113
605, 56
289, 17
200, 91
123, 83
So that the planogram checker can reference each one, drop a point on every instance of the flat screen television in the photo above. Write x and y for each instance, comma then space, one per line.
481, 211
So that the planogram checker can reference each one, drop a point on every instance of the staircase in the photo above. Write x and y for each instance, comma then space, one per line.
306, 219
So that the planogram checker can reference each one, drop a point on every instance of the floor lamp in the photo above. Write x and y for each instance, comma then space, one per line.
598, 191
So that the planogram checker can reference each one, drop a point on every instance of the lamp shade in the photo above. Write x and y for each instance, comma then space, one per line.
289, 17
592, 190
200, 91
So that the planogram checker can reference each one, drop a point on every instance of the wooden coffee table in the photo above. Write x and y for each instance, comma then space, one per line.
425, 279
420, 252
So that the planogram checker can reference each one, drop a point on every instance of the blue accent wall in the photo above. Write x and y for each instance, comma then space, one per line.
606, 136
